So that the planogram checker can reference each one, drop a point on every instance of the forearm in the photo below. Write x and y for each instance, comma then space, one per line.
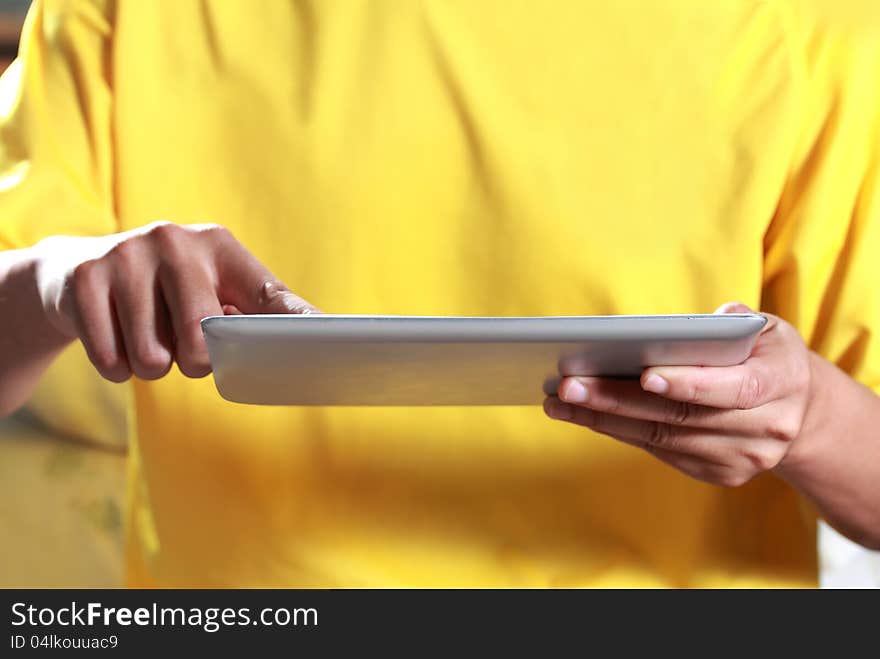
28, 342
835, 461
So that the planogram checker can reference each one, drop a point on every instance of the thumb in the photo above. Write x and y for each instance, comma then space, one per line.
734, 307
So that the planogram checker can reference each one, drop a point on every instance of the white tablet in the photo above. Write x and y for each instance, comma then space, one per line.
426, 360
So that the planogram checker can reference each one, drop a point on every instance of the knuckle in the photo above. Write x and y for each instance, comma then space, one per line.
109, 364
169, 239
151, 361
164, 230
215, 236
609, 404
680, 413
152, 226
784, 427
696, 391
193, 366
192, 354
84, 277
104, 358
750, 391
659, 435
217, 231
732, 479
126, 253
760, 461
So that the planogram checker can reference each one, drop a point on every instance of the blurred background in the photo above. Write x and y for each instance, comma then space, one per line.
11, 16
62, 468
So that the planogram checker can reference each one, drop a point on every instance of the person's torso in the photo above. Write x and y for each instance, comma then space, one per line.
468, 158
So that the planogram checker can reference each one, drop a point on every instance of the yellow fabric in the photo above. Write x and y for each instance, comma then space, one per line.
75, 402
459, 157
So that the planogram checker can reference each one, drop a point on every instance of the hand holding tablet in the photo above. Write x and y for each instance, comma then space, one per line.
421, 360
724, 425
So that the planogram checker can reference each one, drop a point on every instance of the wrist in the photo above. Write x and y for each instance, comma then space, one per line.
28, 342
49, 261
807, 448
38, 324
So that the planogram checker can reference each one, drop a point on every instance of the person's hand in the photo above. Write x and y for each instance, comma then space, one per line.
136, 299
723, 425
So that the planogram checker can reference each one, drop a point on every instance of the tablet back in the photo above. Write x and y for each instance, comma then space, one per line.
418, 360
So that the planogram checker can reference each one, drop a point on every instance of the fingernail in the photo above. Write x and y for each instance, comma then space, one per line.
296, 305
292, 303
558, 410
655, 384
575, 392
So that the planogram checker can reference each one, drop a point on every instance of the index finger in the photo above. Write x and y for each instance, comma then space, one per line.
245, 283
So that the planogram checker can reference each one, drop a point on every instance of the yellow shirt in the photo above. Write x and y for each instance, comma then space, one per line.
460, 157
